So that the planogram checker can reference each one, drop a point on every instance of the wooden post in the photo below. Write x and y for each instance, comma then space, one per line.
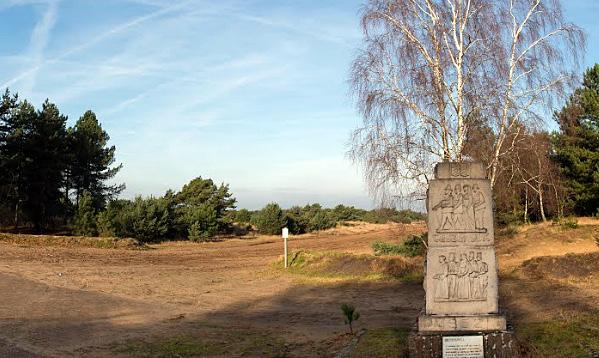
285, 236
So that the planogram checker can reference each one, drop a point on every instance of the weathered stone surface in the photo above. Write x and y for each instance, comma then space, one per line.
453, 170
460, 212
478, 323
461, 280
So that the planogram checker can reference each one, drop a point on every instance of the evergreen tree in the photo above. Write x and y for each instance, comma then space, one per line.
576, 146
146, 219
90, 161
15, 135
85, 218
243, 216
271, 219
202, 201
45, 166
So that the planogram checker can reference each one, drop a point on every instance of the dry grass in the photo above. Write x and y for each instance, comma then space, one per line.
382, 342
70, 241
216, 341
345, 266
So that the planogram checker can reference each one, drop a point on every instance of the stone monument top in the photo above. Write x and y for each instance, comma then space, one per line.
460, 170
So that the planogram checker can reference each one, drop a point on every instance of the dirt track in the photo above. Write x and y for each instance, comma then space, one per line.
63, 301
81, 301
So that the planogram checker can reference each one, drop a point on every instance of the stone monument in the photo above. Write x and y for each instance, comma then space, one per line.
461, 269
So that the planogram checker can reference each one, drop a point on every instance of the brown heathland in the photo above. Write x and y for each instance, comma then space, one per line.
230, 296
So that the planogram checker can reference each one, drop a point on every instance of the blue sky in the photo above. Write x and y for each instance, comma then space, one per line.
250, 93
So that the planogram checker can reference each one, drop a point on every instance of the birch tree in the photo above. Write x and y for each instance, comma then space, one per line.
429, 69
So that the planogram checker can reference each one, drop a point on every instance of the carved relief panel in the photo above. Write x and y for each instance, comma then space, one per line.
461, 280
460, 212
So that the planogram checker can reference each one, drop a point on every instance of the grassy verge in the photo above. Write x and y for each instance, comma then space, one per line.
170, 347
343, 266
383, 342
71, 241
576, 336
227, 343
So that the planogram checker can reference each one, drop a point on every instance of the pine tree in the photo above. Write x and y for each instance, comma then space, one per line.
271, 219
576, 146
203, 201
45, 165
85, 218
17, 158
90, 162
13, 116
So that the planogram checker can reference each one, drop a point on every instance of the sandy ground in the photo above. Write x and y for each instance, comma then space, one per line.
59, 301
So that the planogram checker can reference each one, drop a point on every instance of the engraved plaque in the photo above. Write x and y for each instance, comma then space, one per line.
460, 212
461, 281
463, 347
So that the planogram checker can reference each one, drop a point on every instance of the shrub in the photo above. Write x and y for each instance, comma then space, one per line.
200, 222
85, 218
385, 215
504, 219
196, 234
296, 222
566, 223
309, 218
204, 198
383, 249
243, 216
412, 246
107, 222
508, 231
271, 220
347, 213
144, 219
349, 315
320, 221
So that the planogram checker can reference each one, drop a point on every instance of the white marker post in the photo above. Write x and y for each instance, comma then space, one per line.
285, 236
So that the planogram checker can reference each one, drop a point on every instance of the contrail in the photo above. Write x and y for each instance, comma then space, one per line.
101, 37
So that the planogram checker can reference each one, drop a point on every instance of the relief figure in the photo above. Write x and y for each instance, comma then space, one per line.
442, 289
463, 287
452, 273
479, 207
472, 275
461, 281
483, 280
461, 210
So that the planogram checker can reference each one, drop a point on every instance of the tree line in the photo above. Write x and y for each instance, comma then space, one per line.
313, 217
57, 178
47, 167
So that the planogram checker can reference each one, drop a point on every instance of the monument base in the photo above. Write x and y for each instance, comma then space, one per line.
498, 344
478, 323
